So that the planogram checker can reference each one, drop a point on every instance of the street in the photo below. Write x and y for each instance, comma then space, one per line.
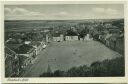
66, 54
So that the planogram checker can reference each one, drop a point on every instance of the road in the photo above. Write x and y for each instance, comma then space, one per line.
64, 55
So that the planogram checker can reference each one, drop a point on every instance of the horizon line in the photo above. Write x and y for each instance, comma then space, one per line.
75, 19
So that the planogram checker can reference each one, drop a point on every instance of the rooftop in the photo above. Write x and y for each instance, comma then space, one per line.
71, 33
24, 49
35, 43
9, 51
13, 46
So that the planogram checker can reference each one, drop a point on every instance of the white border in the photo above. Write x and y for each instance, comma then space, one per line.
64, 79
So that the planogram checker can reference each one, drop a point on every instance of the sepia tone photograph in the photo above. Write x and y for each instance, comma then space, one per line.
64, 40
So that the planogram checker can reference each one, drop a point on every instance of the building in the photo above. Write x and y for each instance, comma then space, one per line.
26, 51
88, 37
58, 37
107, 37
47, 38
38, 46
71, 36
61, 37
12, 67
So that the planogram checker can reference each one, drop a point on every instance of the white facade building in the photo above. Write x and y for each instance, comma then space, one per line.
71, 38
58, 38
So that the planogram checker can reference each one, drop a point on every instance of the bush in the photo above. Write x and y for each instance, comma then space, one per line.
106, 68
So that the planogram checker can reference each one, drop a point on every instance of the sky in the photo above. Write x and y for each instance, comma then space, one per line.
63, 11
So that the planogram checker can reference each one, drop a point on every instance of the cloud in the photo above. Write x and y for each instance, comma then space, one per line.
61, 13
20, 12
99, 10
65, 15
106, 11
112, 11
7, 11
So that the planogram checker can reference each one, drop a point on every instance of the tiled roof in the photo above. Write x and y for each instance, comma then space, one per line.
9, 51
13, 46
35, 43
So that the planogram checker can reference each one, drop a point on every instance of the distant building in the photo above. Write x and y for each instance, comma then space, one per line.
107, 24
88, 37
58, 37
49, 69
71, 36
61, 37
107, 38
48, 38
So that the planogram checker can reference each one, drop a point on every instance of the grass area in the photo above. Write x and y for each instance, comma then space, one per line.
67, 54
75, 53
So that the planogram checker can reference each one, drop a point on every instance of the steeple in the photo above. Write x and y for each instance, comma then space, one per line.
49, 69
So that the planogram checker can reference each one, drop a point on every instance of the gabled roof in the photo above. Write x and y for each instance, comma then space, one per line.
22, 59
9, 51
13, 46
